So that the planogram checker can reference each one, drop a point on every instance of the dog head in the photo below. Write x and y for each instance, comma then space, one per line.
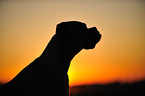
78, 34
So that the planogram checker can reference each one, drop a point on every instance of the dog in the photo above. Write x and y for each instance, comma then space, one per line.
47, 74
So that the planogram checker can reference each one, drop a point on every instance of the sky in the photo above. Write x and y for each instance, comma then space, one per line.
26, 27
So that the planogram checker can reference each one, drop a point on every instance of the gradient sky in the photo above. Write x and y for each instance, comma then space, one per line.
26, 26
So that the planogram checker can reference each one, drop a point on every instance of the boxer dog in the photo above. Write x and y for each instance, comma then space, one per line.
47, 74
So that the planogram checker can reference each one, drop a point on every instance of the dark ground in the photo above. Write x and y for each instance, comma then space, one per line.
114, 89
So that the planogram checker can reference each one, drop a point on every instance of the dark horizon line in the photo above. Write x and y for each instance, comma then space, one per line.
95, 84
110, 83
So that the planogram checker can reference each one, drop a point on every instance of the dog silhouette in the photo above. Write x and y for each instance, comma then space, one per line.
47, 74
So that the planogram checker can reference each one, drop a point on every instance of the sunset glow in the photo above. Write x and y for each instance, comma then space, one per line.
26, 27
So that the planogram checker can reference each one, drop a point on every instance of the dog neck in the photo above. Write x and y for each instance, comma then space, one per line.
57, 53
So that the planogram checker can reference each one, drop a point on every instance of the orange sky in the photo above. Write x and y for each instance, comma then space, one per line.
26, 26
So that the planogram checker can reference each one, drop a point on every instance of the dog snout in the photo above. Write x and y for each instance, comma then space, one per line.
93, 36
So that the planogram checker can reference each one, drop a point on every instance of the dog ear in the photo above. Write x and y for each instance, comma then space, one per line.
92, 38
73, 30
61, 27
70, 26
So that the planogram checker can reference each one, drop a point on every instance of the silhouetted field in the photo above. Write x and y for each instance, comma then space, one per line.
115, 89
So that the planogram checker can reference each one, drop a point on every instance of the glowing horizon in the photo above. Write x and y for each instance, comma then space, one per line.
26, 27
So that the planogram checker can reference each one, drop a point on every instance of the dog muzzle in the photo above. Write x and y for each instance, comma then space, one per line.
92, 38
